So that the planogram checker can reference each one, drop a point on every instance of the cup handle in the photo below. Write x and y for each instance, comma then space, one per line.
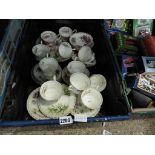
59, 37
54, 78
93, 58
74, 31
73, 56
76, 58
47, 55
70, 88
98, 87
74, 90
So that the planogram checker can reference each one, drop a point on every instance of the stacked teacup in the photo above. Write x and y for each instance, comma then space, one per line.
74, 67
88, 91
85, 55
59, 45
65, 33
50, 101
56, 102
40, 51
46, 69
64, 52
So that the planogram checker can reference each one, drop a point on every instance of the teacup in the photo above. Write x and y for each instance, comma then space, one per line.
79, 82
66, 32
49, 37
51, 90
48, 66
76, 66
98, 82
91, 98
85, 54
40, 51
65, 50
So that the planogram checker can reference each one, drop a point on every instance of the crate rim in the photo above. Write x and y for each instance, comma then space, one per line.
56, 121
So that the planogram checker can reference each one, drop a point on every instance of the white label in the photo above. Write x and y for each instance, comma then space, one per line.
80, 118
105, 132
65, 120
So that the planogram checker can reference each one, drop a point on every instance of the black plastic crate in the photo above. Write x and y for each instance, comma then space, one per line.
115, 106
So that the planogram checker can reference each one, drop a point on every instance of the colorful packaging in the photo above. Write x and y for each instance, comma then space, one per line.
140, 25
120, 24
146, 84
129, 65
149, 64
126, 44
142, 22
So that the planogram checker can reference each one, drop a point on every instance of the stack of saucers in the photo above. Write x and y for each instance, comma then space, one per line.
51, 100
46, 69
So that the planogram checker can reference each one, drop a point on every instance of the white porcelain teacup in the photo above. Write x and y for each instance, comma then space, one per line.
98, 82
51, 90
40, 51
65, 50
76, 66
91, 98
85, 54
66, 32
49, 37
79, 82
48, 66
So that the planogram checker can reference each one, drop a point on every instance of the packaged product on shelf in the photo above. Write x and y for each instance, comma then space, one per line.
126, 44
145, 83
120, 24
142, 25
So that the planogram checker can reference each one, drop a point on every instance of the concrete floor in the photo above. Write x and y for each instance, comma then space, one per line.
132, 127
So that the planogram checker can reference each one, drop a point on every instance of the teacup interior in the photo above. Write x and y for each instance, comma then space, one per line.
51, 90
91, 98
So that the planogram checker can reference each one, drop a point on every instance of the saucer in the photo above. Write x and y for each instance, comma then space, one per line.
80, 109
60, 108
32, 105
60, 59
98, 82
38, 76
66, 77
